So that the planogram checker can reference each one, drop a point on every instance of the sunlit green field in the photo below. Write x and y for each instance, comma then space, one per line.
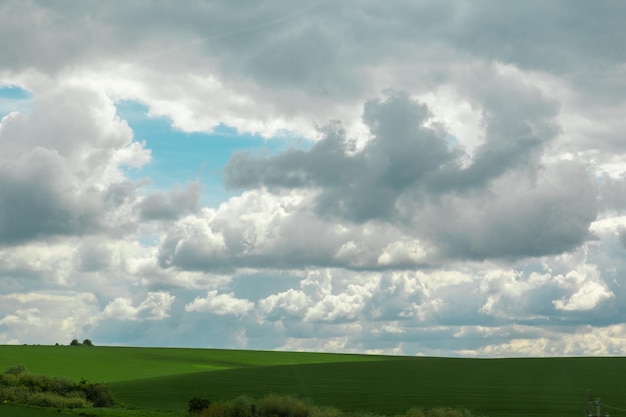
165, 379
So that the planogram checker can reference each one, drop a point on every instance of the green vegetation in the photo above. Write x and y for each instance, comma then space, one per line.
75, 342
288, 406
17, 386
150, 379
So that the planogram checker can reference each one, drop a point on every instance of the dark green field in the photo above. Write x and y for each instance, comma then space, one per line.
165, 379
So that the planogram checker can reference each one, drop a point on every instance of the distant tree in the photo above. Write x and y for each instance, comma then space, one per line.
87, 342
75, 342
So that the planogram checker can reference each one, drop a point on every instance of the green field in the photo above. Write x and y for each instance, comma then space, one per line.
165, 379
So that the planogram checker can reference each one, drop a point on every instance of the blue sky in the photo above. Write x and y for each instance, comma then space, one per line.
13, 98
179, 157
423, 178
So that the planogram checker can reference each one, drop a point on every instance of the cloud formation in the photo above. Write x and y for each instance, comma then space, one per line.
428, 178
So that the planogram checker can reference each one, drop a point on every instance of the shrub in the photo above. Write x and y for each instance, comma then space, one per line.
98, 394
242, 407
40, 390
61, 386
17, 370
9, 380
447, 412
219, 409
282, 406
326, 412
196, 405
413, 412
48, 399
15, 394
34, 383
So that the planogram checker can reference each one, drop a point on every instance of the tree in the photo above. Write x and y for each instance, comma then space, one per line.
87, 342
75, 342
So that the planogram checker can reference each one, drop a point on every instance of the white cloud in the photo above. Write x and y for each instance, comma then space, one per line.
290, 303
156, 306
583, 341
46, 317
220, 304
587, 291
410, 229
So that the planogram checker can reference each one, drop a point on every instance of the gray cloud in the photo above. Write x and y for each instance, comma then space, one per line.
403, 154
37, 199
468, 224
170, 205
503, 204
517, 216
58, 170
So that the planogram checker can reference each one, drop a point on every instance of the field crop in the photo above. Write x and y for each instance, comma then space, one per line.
165, 379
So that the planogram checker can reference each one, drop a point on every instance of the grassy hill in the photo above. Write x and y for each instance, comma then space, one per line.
166, 379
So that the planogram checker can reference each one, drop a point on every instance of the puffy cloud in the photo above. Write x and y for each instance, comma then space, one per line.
60, 175
46, 317
504, 203
155, 307
587, 290
220, 304
458, 214
584, 340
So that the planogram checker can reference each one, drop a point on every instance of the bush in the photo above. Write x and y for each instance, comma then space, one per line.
23, 388
9, 380
326, 412
34, 383
242, 407
288, 406
219, 409
62, 386
448, 412
17, 370
282, 406
196, 405
413, 412
98, 394
14, 394
48, 399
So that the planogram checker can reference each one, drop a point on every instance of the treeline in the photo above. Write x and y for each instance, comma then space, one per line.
18, 386
289, 406
86, 342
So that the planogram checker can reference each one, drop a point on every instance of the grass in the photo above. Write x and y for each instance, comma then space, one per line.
165, 379
107, 364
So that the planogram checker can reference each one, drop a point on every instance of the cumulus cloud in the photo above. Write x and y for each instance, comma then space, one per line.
467, 200
220, 304
59, 172
602, 341
587, 290
46, 317
155, 307
504, 203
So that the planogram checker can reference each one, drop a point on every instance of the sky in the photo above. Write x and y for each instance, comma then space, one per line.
430, 177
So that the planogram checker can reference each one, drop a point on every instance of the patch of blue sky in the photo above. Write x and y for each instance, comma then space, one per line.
452, 141
179, 158
13, 98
